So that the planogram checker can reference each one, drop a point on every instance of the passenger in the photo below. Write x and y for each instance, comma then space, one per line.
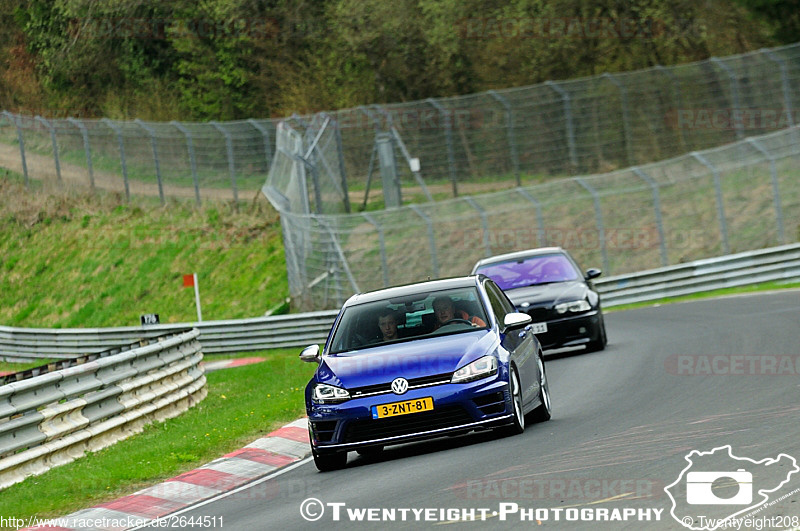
444, 309
387, 322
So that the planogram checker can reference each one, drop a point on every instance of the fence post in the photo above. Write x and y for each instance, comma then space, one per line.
734, 92
787, 91
53, 140
598, 213
568, 125
340, 253
192, 158
265, 133
484, 224
723, 223
111, 125
512, 143
86, 148
382, 242
678, 99
776, 194
342, 170
431, 238
540, 236
154, 146
626, 119
231, 164
657, 208
448, 131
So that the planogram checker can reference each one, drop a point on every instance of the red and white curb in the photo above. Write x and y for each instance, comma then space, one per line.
267, 454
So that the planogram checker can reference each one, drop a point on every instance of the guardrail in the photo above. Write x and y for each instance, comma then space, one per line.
297, 330
55, 417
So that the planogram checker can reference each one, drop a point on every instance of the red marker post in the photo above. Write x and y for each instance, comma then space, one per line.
189, 281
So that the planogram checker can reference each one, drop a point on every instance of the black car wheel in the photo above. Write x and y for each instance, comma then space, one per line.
543, 412
518, 425
601, 341
328, 462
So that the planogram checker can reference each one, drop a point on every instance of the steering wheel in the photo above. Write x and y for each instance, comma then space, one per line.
457, 320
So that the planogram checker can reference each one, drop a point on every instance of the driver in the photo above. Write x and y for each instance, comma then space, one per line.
445, 310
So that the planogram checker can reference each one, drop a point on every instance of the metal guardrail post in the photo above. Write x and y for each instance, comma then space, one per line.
776, 193
154, 146
431, 238
231, 162
657, 208
86, 147
540, 234
484, 224
678, 99
53, 140
448, 131
267, 147
512, 142
626, 119
787, 91
734, 92
568, 124
192, 158
123, 163
382, 243
598, 213
723, 222
21, 141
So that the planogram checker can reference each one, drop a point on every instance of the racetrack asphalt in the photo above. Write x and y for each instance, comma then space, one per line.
698, 375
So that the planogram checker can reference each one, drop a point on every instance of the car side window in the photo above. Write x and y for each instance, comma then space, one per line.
500, 304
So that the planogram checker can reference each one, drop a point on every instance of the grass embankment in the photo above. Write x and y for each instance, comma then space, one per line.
83, 261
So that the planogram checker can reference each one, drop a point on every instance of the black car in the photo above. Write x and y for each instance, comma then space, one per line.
549, 286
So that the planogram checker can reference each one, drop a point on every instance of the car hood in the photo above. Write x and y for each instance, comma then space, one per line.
548, 294
411, 359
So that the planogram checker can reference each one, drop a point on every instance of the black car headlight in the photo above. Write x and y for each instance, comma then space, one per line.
480, 368
329, 394
573, 307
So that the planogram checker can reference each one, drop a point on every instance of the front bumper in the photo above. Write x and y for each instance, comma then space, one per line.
456, 407
571, 331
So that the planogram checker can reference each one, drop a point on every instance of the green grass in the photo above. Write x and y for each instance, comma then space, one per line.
755, 288
243, 404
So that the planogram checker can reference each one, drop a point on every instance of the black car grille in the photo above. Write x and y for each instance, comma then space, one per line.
323, 429
491, 404
369, 429
387, 387
539, 315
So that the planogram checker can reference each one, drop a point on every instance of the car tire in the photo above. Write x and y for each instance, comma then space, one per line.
370, 451
544, 411
601, 341
518, 424
329, 462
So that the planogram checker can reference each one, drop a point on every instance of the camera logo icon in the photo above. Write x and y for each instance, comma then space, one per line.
699, 488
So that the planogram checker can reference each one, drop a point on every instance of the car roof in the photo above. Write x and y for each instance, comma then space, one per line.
517, 255
410, 289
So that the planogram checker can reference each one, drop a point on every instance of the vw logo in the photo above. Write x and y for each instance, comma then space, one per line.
399, 386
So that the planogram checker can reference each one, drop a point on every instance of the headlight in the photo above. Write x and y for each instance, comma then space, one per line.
573, 306
480, 368
329, 394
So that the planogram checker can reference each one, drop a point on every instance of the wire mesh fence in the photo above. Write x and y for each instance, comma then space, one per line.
738, 197
463, 145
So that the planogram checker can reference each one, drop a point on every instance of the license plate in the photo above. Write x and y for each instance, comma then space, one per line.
402, 408
539, 328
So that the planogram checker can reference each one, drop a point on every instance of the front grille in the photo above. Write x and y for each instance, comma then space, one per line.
368, 429
491, 404
539, 315
323, 429
387, 387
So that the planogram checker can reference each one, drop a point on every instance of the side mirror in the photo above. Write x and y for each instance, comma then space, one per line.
310, 353
592, 273
515, 320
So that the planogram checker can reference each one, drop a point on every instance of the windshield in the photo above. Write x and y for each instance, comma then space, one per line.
531, 271
407, 318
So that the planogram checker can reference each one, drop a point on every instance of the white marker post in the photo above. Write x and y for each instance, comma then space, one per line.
191, 280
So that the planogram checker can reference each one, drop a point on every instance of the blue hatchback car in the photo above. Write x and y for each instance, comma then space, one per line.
421, 361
